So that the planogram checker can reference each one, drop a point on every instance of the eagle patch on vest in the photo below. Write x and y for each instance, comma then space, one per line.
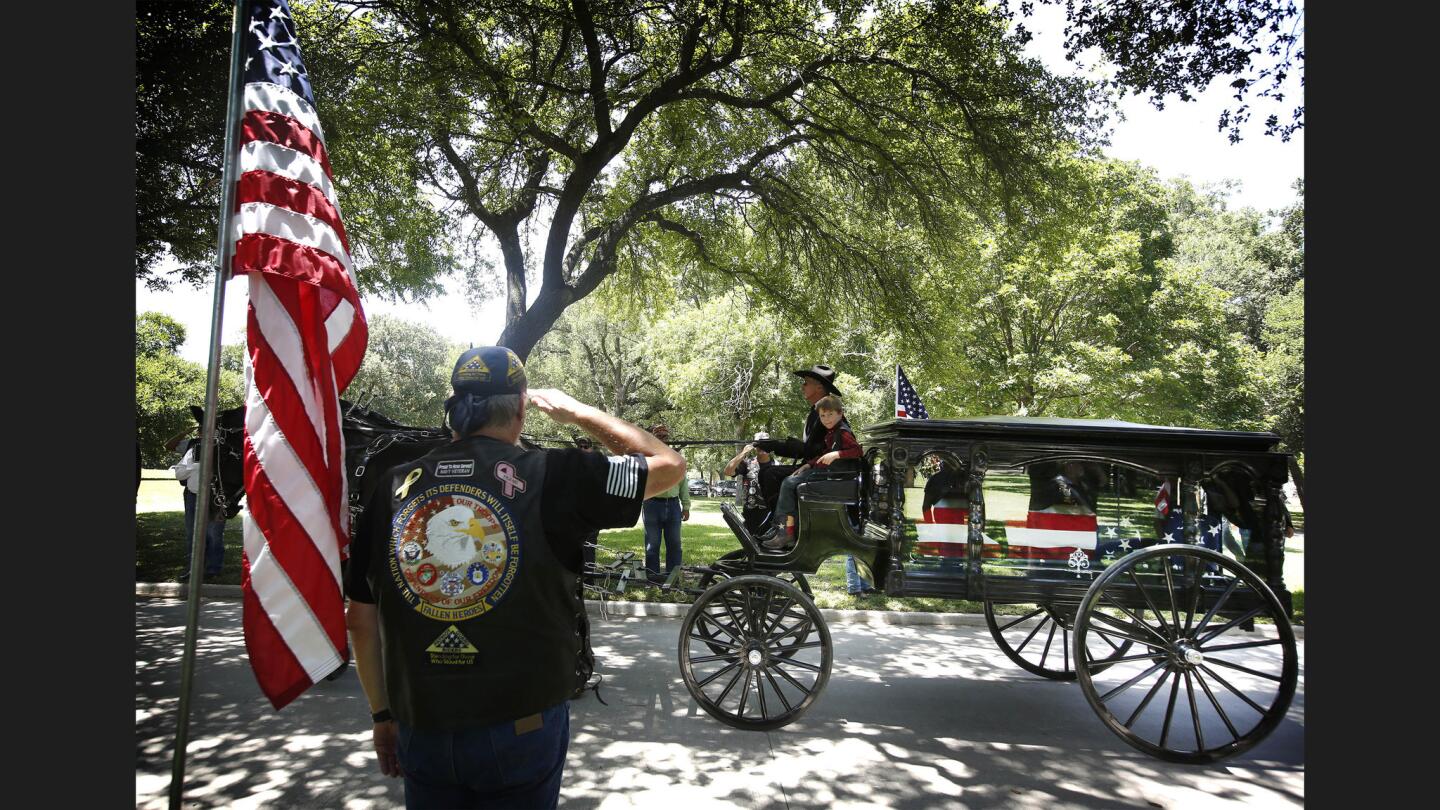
454, 552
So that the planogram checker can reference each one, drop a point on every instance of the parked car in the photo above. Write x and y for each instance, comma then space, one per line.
698, 487
727, 488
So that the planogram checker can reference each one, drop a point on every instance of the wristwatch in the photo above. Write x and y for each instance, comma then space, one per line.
382, 716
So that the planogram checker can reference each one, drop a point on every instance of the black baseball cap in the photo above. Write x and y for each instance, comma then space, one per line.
487, 371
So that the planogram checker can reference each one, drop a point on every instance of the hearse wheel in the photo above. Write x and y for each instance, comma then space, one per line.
1031, 641
1237, 684
762, 677
733, 564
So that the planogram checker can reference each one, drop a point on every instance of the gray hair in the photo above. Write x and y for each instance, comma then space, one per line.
467, 413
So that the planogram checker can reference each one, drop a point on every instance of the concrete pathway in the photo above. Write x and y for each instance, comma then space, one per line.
915, 716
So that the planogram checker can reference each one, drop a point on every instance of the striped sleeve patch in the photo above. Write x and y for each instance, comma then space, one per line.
624, 476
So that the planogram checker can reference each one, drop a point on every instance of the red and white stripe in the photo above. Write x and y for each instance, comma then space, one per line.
1046, 535
306, 336
944, 531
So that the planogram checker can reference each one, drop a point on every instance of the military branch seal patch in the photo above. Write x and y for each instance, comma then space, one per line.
454, 552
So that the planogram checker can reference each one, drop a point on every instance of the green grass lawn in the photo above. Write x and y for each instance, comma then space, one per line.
160, 555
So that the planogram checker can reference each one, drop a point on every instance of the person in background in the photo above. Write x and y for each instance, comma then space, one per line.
746, 466
187, 472
663, 514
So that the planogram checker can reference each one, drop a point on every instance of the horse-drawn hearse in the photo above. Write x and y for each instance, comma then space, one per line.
1143, 562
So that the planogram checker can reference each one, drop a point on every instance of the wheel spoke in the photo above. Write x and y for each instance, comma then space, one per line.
706, 659
1096, 628
1029, 615
1138, 678
778, 693
718, 673
764, 615
1210, 614
805, 626
792, 662
1247, 670
1170, 708
1234, 735
1065, 646
1049, 638
727, 629
1243, 645
1146, 700
773, 665
751, 627
1138, 618
1194, 714
744, 693
715, 641
1249, 614
1107, 618
1159, 617
1195, 588
780, 614
737, 624
1170, 589
1042, 623
760, 693
1233, 690
1151, 656
728, 687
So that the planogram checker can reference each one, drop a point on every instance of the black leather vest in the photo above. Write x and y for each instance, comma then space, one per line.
477, 615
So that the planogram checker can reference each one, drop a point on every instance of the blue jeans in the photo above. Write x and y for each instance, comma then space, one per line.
489, 767
786, 505
214, 537
854, 583
662, 516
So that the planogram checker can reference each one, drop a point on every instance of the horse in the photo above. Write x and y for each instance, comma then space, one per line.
373, 443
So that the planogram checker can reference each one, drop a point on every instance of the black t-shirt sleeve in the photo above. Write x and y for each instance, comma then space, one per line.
586, 491
371, 529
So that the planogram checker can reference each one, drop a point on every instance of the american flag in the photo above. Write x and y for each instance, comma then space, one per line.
1045, 535
907, 402
944, 529
306, 336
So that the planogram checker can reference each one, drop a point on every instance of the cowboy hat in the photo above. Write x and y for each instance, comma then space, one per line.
822, 374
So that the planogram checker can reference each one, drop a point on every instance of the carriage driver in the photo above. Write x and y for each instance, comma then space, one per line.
462, 584
816, 382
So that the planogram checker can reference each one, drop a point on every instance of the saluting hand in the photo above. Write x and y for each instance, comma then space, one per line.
556, 404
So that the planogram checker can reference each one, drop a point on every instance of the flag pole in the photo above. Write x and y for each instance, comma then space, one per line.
212, 391
897, 390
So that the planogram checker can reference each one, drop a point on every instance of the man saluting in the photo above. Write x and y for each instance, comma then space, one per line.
462, 585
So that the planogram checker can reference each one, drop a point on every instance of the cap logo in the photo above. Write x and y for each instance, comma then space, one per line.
515, 374
475, 370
